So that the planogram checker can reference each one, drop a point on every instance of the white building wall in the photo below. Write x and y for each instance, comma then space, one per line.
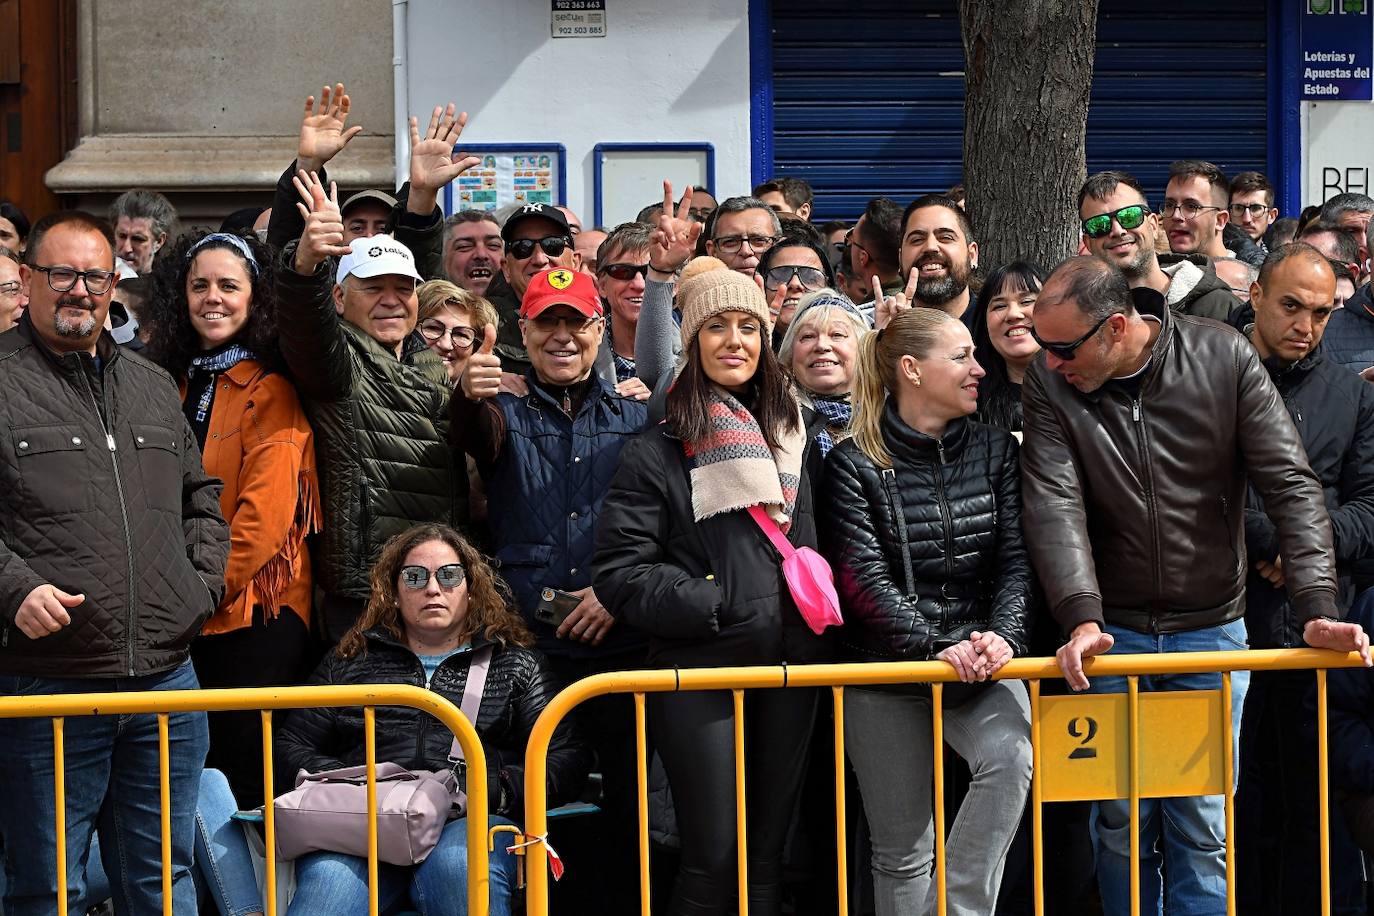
667, 70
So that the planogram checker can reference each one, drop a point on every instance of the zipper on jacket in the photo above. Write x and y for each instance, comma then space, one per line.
948, 519
1147, 475
124, 516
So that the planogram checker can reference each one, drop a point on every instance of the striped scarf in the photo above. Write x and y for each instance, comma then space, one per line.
733, 467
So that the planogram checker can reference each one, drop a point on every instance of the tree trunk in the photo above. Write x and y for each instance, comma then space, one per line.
1028, 77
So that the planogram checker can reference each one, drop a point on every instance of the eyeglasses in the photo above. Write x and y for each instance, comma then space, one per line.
1066, 351
62, 279
1188, 209
553, 245
548, 324
731, 244
811, 278
434, 330
1255, 210
1095, 227
624, 271
417, 577
9, 289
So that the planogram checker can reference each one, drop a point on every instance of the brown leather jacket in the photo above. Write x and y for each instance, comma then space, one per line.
1133, 508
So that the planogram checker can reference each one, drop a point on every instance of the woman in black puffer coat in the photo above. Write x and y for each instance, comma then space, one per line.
426, 634
919, 514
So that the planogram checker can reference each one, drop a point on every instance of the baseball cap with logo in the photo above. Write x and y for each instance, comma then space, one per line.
561, 286
535, 211
376, 256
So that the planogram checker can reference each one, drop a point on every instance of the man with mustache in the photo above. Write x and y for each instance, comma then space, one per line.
1119, 228
938, 248
112, 554
1333, 410
472, 249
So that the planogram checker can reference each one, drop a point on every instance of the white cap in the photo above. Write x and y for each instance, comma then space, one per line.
377, 256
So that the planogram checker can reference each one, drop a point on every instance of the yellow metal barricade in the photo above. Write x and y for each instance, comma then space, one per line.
165, 702
1086, 746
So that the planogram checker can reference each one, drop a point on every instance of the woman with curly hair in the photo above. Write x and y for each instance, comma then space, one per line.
211, 322
434, 603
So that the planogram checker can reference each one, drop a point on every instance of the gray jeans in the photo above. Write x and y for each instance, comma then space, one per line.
888, 739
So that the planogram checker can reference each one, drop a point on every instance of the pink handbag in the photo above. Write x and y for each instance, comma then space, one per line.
327, 811
808, 576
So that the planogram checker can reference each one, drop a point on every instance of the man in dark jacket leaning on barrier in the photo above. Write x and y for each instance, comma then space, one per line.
1333, 410
112, 553
1141, 427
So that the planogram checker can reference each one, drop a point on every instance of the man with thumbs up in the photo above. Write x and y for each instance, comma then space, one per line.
547, 458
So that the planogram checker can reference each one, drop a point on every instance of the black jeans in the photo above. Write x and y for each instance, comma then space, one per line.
695, 735
1277, 825
608, 724
268, 653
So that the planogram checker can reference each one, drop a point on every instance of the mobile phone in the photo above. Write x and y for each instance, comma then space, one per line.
555, 605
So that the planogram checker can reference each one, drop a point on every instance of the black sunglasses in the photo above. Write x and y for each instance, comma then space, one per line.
624, 271
417, 577
1095, 227
553, 245
1066, 351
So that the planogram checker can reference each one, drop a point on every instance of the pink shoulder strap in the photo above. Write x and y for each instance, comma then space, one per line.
472, 694
770, 528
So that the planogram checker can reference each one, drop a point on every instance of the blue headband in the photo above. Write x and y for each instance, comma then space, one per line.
233, 241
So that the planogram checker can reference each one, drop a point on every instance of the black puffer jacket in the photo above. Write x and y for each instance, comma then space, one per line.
960, 506
1333, 410
518, 688
1349, 337
653, 560
102, 493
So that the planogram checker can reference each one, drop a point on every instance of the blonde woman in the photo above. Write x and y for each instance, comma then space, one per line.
450, 320
919, 514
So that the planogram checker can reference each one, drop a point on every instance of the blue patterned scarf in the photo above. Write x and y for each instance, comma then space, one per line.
837, 412
213, 363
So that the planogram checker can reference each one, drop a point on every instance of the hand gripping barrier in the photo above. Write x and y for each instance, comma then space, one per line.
1090, 746
266, 699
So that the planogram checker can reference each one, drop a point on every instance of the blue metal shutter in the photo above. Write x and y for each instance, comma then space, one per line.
868, 95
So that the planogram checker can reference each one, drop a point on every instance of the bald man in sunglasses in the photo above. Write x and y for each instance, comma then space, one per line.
1141, 429
1119, 227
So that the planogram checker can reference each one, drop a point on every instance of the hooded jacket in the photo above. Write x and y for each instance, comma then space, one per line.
102, 494
1349, 337
1195, 288
1121, 491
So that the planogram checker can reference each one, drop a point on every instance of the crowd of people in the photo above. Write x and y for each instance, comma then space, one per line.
354, 441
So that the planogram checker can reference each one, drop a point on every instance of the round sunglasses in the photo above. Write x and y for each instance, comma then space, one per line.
450, 575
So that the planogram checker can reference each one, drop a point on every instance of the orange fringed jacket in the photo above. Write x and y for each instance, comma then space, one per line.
260, 444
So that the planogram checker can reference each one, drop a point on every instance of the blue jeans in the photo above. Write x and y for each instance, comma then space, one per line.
334, 884
111, 783
224, 864
1182, 840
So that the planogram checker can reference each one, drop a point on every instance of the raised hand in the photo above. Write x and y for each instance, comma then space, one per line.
324, 231
323, 132
433, 163
674, 242
885, 308
482, 374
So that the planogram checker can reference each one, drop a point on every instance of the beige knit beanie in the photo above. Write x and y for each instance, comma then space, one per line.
708, 288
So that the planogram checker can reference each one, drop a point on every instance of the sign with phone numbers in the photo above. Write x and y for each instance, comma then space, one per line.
579, 18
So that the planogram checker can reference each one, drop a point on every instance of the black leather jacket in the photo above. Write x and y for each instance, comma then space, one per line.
960, 508
518, 688
1134, 504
